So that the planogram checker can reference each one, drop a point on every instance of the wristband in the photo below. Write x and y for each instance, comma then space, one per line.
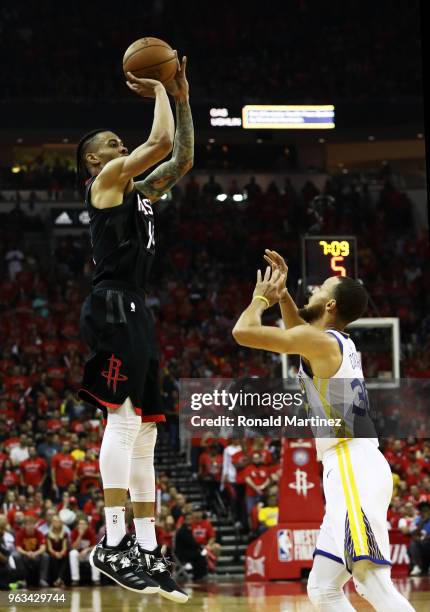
261, 297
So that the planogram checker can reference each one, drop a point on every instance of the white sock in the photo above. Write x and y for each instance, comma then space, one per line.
145, 532
115, 525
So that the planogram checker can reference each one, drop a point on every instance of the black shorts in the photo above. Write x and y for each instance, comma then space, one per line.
124, 361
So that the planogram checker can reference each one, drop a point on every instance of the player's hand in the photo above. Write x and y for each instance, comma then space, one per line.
270, 286
277, 262
178, 86
146, 88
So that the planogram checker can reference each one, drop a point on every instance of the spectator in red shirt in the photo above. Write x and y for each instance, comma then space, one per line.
9, 477
63, 470
205, 535
259, 446
88, 472
395, 512
415, 496
30, 556
83, 539
257, 478
33, 470
165, 532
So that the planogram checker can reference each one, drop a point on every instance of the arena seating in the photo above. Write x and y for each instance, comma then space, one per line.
207, 258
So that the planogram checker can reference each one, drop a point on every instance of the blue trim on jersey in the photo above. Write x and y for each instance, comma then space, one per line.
306, 368
338, 341
369, 558
324, 553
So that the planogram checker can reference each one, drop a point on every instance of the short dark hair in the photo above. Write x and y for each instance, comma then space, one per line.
81, 168
351, 299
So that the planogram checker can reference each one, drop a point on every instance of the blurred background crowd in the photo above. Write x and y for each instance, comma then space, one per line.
270, 56
49, 485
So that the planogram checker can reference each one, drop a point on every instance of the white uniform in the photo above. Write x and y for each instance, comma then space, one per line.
357, 479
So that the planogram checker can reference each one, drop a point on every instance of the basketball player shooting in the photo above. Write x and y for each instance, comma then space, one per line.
357, 480
121, 375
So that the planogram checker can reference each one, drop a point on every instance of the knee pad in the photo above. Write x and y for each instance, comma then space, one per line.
122, 429
142, 475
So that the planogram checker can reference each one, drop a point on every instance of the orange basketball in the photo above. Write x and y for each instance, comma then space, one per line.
150, 58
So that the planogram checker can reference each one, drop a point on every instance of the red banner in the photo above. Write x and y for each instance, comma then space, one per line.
300, 493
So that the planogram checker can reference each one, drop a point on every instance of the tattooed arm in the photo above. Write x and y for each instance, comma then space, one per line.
170, 172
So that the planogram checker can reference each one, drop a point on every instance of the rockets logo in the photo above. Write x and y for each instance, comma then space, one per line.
301, 485
113, 375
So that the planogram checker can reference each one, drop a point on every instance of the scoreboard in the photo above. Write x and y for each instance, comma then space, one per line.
324, 256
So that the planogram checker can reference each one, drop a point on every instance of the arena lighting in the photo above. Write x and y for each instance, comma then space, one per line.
219, 117
16, 169
288, 117
221, 197
238, 197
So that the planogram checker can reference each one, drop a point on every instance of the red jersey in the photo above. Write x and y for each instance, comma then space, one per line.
202, 531
33, 470
164, 537
258, 475
240, 461
211, 465
266, 455
88, 474
88, 507
64, 468
9, 480
3, 458
53, 424
88, 538
29, 542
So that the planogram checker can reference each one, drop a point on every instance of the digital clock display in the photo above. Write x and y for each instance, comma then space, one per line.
324, 256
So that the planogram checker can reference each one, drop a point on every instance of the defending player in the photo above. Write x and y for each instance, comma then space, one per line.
121, 375
357, 479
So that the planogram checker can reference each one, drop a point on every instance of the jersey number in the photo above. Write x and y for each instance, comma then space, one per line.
361, 401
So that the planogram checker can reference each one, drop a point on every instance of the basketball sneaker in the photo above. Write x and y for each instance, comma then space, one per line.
123, 565
157, 565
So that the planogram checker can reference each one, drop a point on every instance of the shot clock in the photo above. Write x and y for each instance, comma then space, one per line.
324, 256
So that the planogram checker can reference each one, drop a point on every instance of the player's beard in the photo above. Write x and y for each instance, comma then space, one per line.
312, 313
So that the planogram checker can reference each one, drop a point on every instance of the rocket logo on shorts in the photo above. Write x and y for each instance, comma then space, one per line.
113, 375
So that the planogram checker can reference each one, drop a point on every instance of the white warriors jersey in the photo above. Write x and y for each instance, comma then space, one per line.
343, 396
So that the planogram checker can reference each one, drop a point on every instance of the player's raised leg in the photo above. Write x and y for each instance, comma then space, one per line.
142, 494
117, 555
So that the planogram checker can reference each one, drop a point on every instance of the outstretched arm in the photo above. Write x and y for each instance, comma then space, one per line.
249, 331
289, 310
166, 175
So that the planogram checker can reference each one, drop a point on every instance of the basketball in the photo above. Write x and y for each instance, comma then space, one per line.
150, 58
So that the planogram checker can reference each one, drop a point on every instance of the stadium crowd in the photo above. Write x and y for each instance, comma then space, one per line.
360, 48
51, 504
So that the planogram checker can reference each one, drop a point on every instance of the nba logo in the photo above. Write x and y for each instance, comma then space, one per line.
284, 545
